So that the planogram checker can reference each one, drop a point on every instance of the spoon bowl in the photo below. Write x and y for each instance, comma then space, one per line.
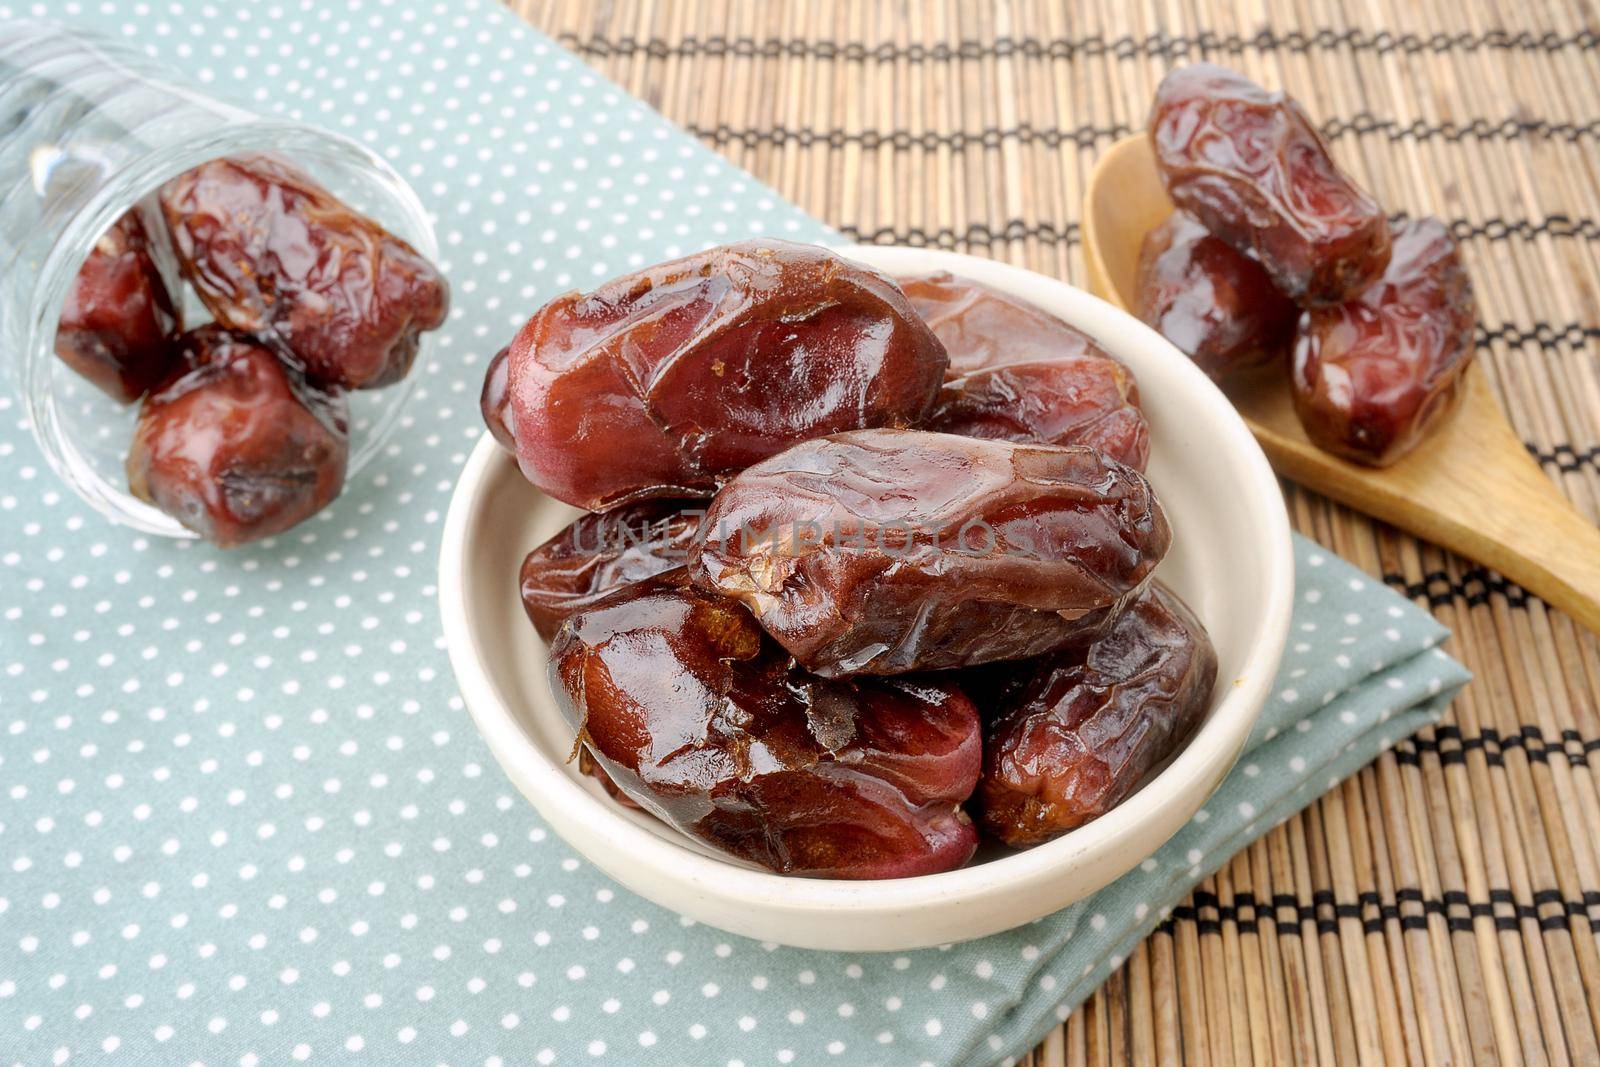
1470, 487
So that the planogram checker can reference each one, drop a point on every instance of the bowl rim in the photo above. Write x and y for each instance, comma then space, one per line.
1164, 803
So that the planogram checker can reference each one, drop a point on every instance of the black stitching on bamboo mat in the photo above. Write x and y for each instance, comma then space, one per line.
1450, 746
978, 233
1480, 129
975, 234
1208, 913
1474, 586
1543, 334
1086, 136
1575, 458
959, 140
1123, 47
1498, 229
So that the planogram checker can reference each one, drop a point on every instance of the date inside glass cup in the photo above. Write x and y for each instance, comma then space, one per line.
242, 428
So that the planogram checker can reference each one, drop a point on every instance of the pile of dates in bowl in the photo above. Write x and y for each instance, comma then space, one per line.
240, 306
1275, 261
865, 570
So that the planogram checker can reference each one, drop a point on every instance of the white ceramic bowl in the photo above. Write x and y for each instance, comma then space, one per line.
1230, 560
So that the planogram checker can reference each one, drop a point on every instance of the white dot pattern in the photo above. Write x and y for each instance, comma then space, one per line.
244, 817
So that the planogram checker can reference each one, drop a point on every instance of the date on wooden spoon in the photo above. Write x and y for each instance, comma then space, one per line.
1472, 487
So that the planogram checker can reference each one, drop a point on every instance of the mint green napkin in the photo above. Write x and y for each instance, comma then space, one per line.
243, 815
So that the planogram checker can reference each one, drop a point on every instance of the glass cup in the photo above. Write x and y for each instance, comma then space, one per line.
89, 128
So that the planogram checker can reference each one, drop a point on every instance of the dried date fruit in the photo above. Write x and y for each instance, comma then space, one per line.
887, 551
982, 327
495, 400
119, 322
1372, 376
271, 252
1073, 736
692, 711
236, 445
1018, 373
601, 552
1071, 401
664, 382
1209, 300
1252, 168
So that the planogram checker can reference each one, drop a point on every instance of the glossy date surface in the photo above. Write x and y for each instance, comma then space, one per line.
495, 400
887, 551
1077, 400
1252, 168
119, 322
271, 252
1211, 301
981, 327
691, 710
1074, 734
236, 445
1018, 373
1372, 376
667, 381
603, 551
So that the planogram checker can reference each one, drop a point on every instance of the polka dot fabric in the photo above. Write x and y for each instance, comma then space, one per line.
244, 818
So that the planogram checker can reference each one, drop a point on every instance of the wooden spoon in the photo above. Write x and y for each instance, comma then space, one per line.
1471, 487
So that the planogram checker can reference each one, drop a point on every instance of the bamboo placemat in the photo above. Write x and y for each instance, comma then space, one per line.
1443, 905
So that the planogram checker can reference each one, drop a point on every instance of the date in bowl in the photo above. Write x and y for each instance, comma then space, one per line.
1230, 560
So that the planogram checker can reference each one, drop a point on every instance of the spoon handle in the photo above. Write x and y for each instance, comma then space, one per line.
1472, 488
1528, 532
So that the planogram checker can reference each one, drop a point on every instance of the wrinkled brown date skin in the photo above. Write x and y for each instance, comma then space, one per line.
1018, 373
495, 400
886, 551
601, 552
664, 382
118, 325
1252, 168
1078, 731
236, 445
1209, 300
705, 722
982, 327
1077, 400
1371, 377
271, 252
